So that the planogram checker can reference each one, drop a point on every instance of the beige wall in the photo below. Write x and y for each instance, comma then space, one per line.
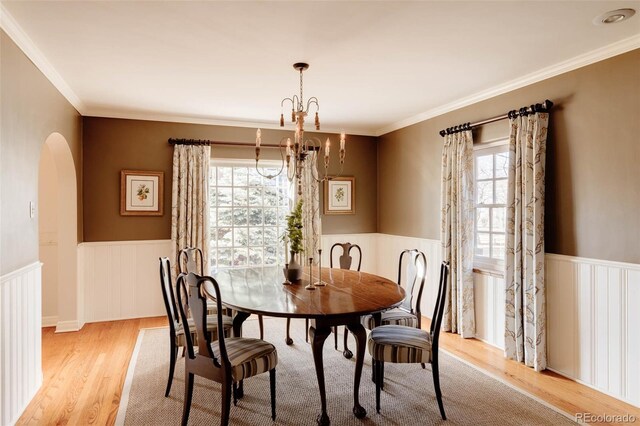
111, 145
32, 109
48, 194
593, 169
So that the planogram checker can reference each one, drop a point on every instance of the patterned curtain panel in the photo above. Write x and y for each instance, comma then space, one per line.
525, 328
311, 224
190, 201
456, 232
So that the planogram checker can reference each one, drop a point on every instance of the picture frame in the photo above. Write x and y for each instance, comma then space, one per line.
340, 195
141, 193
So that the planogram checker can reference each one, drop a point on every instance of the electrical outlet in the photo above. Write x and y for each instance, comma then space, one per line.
32, 209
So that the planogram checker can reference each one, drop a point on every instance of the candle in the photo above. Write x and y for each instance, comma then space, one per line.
327, 147
288, 146
258, 138
342, 141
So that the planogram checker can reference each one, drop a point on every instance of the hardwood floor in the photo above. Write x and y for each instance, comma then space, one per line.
84, 373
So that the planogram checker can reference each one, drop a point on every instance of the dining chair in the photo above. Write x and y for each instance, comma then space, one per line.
176, 328
189, 258
227, 361
408, 313
403, 344
345, 261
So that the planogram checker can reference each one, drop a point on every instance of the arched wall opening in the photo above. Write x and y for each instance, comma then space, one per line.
58, 224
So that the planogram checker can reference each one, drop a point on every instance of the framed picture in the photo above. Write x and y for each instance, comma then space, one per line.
141, 193
339, 195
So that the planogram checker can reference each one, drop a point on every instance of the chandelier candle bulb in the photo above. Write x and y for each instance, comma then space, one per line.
327, 147
342, 141
258, 138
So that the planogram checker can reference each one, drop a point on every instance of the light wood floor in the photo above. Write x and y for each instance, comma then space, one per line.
84, 373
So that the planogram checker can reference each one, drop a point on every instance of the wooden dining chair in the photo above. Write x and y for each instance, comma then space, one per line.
403, 344
227, 361
191, 259
176, 328
345, 261
407, 314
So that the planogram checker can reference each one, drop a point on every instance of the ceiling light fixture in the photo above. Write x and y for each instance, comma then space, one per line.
297, 152
614, 16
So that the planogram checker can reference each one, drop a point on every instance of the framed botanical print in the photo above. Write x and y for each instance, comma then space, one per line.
141, 193
339, 195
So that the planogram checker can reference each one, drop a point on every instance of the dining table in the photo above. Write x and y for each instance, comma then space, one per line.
345, 296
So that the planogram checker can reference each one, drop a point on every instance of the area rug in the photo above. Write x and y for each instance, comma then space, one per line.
470, 396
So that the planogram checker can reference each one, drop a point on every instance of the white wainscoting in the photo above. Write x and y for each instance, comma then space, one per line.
489, 304
20, 340
121, 279
593, 314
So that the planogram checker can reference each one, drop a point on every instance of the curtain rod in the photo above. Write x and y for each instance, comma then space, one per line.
173, 141
524, 111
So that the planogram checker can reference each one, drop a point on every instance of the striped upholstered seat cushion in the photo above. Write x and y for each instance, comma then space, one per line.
391, 317
248, 357
396, 343
212, 326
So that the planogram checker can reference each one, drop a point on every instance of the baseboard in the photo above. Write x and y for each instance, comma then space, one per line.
50, 321
68, 326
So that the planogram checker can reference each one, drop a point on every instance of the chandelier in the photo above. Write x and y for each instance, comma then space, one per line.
295, 153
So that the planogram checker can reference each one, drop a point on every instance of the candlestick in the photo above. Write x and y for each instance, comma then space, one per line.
286, 275
310, 286
320, 283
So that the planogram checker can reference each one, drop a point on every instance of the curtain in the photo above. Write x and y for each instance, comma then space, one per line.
456, 232
525, 316
190, 201
311, 223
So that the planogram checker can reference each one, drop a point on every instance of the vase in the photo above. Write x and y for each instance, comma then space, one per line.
295, 269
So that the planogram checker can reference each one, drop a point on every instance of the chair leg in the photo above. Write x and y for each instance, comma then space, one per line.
346, 352
436, 385
288, 340
335, 337
235, 393
188, 394
424, 366
261, 327
272, 383
306, 330
226, 404
376, 366
172, 367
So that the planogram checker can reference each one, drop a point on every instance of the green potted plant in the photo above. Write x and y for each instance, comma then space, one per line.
293, 234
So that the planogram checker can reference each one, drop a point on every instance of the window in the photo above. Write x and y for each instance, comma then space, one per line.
248, 215
491, 172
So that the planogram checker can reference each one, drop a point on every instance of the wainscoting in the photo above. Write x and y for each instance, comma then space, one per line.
590, 303
20, 340
121, 279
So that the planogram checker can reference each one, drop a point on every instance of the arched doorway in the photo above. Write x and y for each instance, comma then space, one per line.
58, 230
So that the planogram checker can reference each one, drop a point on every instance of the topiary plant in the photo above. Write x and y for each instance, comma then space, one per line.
294, 228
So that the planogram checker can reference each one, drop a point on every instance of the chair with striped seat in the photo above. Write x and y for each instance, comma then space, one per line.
191, 259
408, 314
227, 361
176, 328
402, 344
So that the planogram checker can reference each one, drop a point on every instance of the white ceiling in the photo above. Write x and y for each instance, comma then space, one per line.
375, 66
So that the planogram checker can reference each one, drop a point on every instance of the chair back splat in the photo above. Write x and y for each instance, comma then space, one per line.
345, 260
438, 310
191, 290
415, 274
190, 259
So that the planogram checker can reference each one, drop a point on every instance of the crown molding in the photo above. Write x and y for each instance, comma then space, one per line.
155, 116
24, 42
576, 62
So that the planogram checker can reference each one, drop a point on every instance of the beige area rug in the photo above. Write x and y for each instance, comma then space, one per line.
470, 396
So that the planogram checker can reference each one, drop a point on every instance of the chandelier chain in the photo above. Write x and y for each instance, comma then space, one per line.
301, 101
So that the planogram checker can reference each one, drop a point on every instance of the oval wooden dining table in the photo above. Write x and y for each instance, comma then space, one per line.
346, 296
